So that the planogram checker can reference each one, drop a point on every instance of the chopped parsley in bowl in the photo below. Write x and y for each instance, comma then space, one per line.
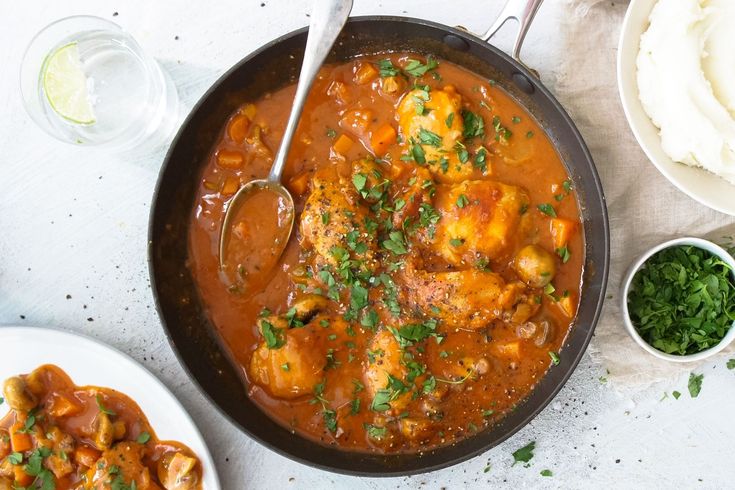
679, 300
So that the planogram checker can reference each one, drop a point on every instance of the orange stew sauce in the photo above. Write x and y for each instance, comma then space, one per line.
435, 265
61, 436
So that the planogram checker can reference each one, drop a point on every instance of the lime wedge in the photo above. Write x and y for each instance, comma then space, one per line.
66, 85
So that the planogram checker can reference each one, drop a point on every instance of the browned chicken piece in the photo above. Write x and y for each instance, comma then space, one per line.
413, 196
121, 465
290, 366
479, 220
384, 360
468, 299
441, 118
176, 471
330, 212
62, 445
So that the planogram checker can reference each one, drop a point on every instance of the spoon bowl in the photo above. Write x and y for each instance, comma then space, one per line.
259, 217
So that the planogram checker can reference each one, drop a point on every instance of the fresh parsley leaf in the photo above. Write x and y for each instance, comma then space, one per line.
554, 358
427, 137
695, 384
416, 68
474, 125
547, 209
102, 408
676, 394
331, 133
387, 69
381, 401
462, 201
273, 336
359, 181
375, 432
546, 473
564, 254
143, 438
524, 454
15, 458
449, 120
730, 364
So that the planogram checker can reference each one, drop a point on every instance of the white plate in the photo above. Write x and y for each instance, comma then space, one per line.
703, 186
90, 362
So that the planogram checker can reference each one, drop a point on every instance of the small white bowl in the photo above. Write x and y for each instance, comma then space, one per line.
697, 183
628, 279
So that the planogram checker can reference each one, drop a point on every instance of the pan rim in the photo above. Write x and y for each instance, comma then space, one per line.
602, 270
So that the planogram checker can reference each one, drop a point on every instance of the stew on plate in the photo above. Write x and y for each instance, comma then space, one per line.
61, 436
436, 264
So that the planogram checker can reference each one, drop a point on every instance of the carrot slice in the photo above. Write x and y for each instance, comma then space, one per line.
299, 183
19, 441
22, 478
382, 138
86, 456
230, 159
343, 144
61, 406
365, 73
238, 128
561, 231
230, 186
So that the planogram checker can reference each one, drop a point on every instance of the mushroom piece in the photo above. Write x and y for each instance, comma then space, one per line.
17, 394
176, 471
535, 266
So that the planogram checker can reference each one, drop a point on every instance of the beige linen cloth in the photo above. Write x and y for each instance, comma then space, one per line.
645, 209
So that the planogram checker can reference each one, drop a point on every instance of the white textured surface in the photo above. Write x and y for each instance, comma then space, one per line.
74, 221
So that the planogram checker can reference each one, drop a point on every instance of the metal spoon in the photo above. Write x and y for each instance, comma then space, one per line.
328, 17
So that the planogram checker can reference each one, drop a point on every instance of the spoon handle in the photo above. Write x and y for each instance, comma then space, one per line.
328, 17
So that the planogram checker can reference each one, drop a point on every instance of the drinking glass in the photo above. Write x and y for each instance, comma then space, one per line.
85, 81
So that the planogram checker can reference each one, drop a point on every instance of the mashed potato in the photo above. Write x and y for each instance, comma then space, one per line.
686, 81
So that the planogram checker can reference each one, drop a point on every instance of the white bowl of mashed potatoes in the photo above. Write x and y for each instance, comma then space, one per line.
676, 77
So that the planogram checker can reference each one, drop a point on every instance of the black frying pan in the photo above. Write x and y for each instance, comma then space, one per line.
276, 64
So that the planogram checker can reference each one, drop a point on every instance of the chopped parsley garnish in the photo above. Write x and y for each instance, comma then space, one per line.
524, 454
546, 473
375, 432
416, 68
529, 135
682, 301
462, 201
676, 394
381, 401
387, 69
143, 437
516, 119
15, 458
547, 209
501, 132
481, 160
427, 137
331, 133
449, 120
102, 408
396, 243
695, 384
456, 242
554, 358
462, 154
417, 153
564, 254
273, 336
730, 364
474, 125
325, 217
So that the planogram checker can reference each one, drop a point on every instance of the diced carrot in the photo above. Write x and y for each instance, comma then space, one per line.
22, 478
510, 349
382, 138
568, 305
561, 231
343, 144
19, 441
339, 92
238, 128
299, 183
357, 120
62, 406
249, 111
86, 456
230, 159
365, 73
230, 186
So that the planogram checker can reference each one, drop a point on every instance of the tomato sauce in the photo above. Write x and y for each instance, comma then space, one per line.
495, 186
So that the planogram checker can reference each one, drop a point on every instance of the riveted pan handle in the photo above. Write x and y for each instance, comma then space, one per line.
523, 11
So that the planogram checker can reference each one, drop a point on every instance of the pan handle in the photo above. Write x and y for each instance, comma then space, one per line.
523, 11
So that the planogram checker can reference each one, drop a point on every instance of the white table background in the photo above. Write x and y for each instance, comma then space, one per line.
74, 224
